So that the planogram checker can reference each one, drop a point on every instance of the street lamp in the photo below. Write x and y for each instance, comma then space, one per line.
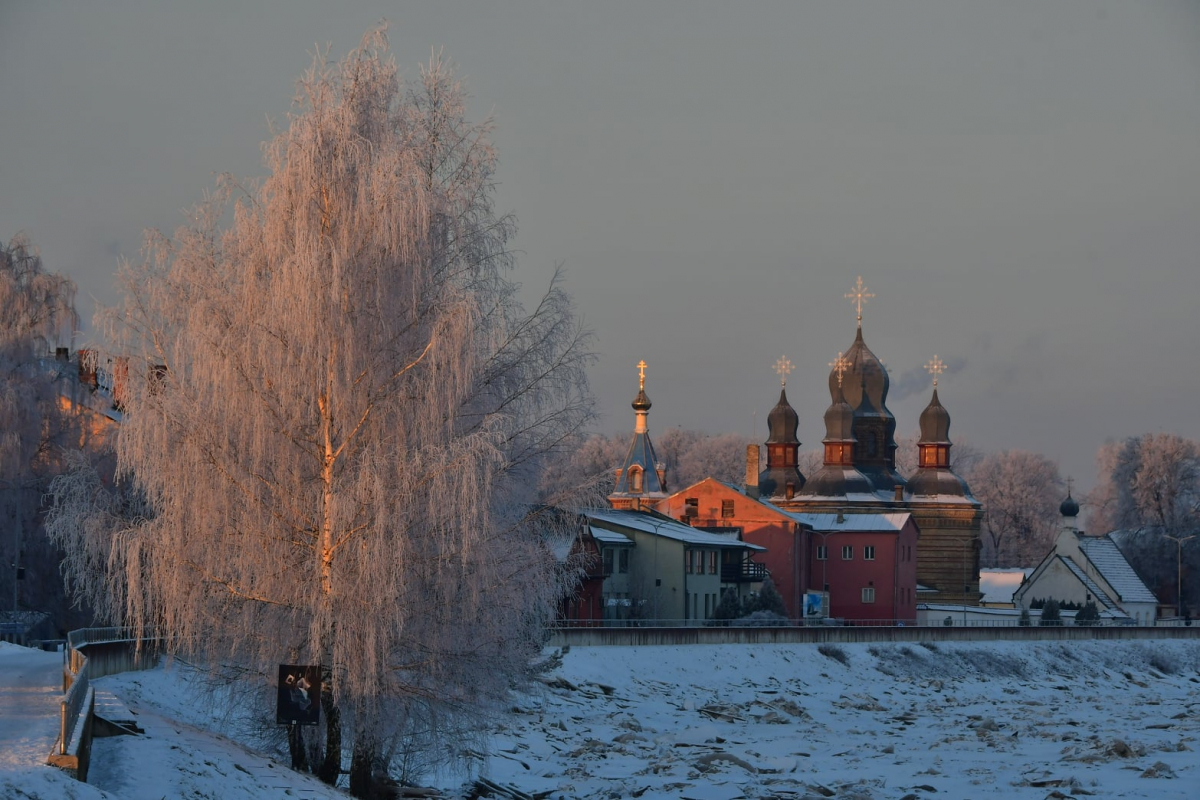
1179, 540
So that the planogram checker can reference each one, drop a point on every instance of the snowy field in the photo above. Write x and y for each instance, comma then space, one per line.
954, 720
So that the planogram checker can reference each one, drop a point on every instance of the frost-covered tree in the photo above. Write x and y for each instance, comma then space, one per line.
336, 411
1021, 493
769, 599
1149, 488
37, 314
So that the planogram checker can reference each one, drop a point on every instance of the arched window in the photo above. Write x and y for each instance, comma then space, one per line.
635, 479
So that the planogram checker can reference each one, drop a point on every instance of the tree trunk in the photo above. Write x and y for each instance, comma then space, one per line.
362, 766
331, 766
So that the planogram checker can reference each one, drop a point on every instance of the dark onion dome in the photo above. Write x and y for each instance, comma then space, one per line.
935, 422
865, 371
782, 422
839, 420
641, 402
937, 482
1069, 507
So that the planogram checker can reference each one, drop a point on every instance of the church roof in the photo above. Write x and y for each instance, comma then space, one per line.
1112, 565
640, 455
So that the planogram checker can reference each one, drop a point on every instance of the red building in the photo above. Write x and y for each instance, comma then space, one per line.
866, 563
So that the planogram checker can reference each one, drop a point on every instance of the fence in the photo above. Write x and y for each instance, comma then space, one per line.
109, 651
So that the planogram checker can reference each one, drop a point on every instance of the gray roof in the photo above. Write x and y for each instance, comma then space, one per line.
1101, 596
641, 453
609, 537
854, 522
665, 527
1104, 554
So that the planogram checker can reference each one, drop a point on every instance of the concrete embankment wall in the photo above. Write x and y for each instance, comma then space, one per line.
588, 637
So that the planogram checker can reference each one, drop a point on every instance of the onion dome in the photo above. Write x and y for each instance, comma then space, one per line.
934, 480
839, 420
1069, 507
641, 402
864, 372
782, 422
935, 422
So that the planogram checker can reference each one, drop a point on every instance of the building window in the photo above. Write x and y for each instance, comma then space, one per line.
687, 561
712, 562
868, 594
847, 552
822, 552
691, 507
727, 509
635, 480
869, 552
607, 554
622, 560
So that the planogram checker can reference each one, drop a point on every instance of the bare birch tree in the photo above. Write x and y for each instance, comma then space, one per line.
336, 409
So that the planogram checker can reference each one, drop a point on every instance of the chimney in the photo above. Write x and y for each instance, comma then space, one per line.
841, 516
752, 471
899, 493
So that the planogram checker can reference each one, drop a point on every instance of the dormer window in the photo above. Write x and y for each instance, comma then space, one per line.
635, 480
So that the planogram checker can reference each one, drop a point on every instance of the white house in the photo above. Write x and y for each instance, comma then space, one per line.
1082, 568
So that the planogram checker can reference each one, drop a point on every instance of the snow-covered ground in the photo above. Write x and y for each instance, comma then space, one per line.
958, 720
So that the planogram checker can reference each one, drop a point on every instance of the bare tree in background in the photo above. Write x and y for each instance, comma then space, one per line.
1149, 489
37, 314
336, 410
1021, 493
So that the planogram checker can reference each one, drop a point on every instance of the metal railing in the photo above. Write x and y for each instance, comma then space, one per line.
956, 621
77, 678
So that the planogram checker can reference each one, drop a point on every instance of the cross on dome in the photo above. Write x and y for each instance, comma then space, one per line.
641, 365
783, 368
840, 365
859, 295
935, 368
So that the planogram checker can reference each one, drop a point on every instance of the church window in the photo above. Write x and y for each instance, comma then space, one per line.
868, 594
635, 480
623, 560
847, 552
726, 509
822, 552
869, 552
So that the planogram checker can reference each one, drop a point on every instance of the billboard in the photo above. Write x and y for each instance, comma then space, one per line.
299, 695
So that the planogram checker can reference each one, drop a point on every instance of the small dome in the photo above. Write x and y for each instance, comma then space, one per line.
641, 402
783, 422
1069, 507
839, 420
935, 422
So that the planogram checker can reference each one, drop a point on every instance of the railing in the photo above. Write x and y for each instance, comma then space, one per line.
77, 674
956, 621
746, 572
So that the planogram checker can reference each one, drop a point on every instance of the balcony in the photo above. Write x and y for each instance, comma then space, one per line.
744, 572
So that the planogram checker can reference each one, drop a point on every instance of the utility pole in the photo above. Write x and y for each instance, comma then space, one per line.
1179, 540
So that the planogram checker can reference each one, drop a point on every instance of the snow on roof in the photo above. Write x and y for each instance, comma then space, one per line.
1104, 554
1102, 598
609, 537
893, 521
669, 528
998, 585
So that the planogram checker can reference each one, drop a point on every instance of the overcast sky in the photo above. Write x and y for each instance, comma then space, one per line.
1017, 182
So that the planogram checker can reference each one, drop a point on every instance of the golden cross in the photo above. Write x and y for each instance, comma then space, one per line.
783, 368
840, 365
859, 295
935, 368
641, 375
